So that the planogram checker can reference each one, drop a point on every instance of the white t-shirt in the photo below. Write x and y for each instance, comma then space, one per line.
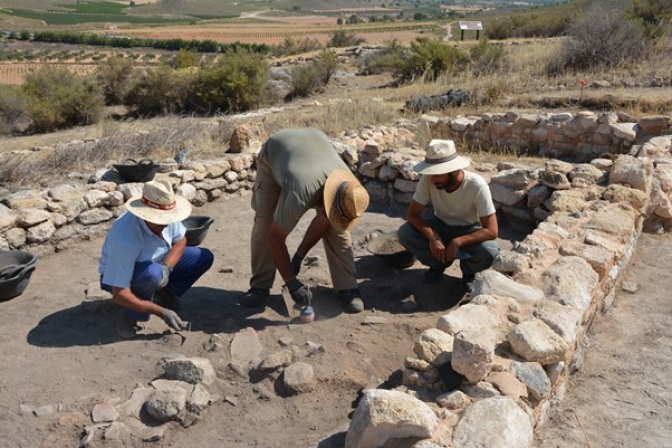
464, 206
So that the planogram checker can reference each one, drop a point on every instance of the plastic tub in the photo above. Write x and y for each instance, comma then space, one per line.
387, 248
132, 171
197, 229
16, 267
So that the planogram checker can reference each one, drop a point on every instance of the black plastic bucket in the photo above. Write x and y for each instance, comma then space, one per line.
197, 229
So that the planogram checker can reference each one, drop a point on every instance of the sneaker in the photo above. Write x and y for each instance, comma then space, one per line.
127, 327
167, 300
254, 297
351, 300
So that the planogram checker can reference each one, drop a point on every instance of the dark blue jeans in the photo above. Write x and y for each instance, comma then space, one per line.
482, 254
147, 276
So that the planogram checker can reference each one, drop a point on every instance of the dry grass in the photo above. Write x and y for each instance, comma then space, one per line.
157, 139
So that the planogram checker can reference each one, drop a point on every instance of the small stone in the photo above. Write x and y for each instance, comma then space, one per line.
117, 431
231, 400
44, 411
104, 412
312, 348
285, 341
374, 320
630, 287
299, 378
166, 404
26, 410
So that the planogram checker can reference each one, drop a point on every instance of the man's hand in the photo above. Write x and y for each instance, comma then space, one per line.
297, 260
165, 278
437, 248
299, 292
171, 319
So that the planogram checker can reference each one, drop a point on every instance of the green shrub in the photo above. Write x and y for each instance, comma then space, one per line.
428, 59
114, 77
295, 46
390, 58
652, 15
237, 84
185, 58
488, 59
326, 64
162, 91
306, 78
344, 38
603, 38
11, 107
500, 29
57, 99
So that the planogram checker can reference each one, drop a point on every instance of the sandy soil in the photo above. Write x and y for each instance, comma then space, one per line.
54, 352
622, 396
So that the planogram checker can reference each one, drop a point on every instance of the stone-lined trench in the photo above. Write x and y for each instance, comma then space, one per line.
604, 180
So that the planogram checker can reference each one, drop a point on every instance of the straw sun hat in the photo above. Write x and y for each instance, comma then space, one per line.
345, 199
159, 204
441, 158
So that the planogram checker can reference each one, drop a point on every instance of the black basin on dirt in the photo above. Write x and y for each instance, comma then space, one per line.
388, 248
16, 267
132, 171
197, 228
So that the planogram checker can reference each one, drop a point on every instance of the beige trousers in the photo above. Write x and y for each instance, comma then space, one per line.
337, 245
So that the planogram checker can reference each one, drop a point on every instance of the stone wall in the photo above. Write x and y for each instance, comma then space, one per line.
522, 334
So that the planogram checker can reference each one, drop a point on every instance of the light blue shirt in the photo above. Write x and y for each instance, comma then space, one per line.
130, 241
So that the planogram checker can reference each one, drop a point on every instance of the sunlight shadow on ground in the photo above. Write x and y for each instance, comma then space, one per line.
75, 327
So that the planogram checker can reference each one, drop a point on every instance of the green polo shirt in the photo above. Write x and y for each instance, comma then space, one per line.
300, 162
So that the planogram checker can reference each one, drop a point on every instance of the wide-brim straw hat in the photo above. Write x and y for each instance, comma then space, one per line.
441, 158
345, 199
159, 204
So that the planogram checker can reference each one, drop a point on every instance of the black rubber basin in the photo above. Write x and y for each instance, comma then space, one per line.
197, 228
387, 248
132, 171
16, 267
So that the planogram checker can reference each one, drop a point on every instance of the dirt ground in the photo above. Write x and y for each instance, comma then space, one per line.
54, 352
622, 396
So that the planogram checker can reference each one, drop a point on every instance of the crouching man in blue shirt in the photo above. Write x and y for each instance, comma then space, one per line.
145, 261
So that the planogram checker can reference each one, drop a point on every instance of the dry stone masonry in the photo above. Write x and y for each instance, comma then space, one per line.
601, 179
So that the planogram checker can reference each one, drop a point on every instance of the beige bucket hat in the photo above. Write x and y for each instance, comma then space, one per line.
345, 199
159, 204
441, 158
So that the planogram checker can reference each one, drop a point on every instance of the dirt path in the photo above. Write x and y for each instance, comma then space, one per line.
622, 396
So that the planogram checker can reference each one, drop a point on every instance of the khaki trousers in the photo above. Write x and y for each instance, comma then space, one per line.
337, 245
